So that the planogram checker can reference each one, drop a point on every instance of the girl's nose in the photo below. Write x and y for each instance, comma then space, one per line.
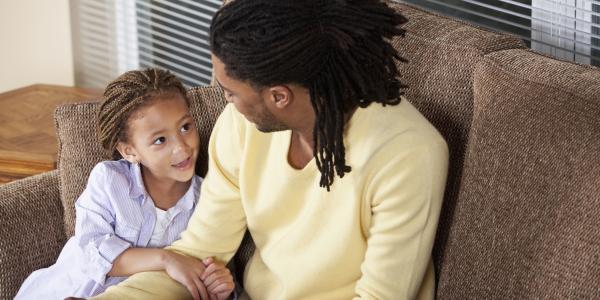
181, 146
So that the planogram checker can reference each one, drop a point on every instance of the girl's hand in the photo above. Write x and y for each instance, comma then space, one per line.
187, 271
217, 279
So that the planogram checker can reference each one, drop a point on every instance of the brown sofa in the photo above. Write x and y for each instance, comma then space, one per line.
521, 217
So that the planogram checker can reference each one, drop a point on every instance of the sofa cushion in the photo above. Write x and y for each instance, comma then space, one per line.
79, 150
527, 222
442, 55
31, 227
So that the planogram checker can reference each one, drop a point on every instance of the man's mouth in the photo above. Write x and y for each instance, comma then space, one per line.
184, 164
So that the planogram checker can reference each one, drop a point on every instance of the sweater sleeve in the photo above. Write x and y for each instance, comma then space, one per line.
404, 198
218, 224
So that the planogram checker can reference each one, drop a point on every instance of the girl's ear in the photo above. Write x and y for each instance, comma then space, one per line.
128, 152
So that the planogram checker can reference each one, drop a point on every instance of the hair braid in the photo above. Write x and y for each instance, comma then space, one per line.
124, 96
338, 49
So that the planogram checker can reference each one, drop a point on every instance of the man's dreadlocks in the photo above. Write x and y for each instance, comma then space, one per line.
338, 49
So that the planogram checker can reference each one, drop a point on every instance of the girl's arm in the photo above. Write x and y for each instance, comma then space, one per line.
106, 253
95, 220
135, 260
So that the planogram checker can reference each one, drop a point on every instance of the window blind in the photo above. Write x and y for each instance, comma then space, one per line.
113, 36
566, 29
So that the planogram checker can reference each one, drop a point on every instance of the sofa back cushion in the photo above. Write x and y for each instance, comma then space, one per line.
79, 150
527, 223
442, 55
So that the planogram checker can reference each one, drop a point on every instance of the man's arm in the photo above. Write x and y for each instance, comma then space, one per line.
405, 196
217, 226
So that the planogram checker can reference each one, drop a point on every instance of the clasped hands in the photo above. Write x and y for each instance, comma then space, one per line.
208, 279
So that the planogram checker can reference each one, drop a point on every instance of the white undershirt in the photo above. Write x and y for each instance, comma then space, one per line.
160, 227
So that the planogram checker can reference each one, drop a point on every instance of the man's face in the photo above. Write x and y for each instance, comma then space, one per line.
247, 100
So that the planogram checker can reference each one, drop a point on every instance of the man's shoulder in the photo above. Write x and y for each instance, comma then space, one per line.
403, 120
391, 129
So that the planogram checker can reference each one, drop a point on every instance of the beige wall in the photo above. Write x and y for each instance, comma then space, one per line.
35, 43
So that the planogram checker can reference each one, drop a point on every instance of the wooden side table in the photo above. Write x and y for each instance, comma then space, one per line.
28, 143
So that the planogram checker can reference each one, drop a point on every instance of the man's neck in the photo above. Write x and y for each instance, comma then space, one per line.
302, 143
301, 150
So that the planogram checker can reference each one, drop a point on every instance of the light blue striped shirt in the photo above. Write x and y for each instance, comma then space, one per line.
113, 213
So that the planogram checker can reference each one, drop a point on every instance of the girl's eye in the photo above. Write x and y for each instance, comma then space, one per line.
159, 141
186, 127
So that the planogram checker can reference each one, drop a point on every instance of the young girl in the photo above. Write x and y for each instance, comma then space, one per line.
134, 206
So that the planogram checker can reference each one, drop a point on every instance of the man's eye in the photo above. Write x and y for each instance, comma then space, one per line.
159, 141
186, 127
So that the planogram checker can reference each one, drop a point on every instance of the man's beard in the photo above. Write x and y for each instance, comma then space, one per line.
273, 127
268, 123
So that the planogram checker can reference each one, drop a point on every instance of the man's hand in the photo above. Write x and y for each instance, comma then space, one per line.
187, 271
217, 279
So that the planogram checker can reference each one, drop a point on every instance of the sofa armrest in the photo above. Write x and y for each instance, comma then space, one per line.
31, 228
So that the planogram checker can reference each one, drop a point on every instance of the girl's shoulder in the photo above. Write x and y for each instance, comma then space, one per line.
110, 171
108, 181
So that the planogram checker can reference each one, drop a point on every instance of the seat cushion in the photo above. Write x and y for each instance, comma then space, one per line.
79, 148
442, 54
527, 222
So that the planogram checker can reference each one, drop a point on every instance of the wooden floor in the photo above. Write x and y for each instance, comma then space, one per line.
27, 138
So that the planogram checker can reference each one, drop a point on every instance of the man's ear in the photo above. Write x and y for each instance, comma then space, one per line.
128, 152
281, 96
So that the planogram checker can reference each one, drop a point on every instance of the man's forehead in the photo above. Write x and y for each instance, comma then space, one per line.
219, 72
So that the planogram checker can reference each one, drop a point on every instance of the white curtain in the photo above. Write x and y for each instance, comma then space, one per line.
113, 36
567, 29
562, 28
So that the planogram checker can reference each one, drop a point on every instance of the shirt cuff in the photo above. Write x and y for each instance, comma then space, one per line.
102, 256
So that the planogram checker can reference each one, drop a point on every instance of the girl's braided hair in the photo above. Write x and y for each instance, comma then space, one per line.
338, 49
124, 96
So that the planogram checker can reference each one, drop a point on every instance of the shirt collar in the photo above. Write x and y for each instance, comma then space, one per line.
137, 189
188, 201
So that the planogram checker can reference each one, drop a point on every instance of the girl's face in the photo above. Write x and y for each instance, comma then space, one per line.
163, 138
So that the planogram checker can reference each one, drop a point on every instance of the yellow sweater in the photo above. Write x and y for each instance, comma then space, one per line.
370, 237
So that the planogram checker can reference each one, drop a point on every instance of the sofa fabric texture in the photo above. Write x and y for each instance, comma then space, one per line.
442, 54
31, 228
527, 221
78, 152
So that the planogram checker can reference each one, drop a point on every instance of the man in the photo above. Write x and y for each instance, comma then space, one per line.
338, 178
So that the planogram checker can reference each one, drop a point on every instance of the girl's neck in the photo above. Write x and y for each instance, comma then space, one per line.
164, 192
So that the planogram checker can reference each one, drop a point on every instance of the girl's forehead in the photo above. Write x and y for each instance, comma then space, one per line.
161, 101
160, 115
